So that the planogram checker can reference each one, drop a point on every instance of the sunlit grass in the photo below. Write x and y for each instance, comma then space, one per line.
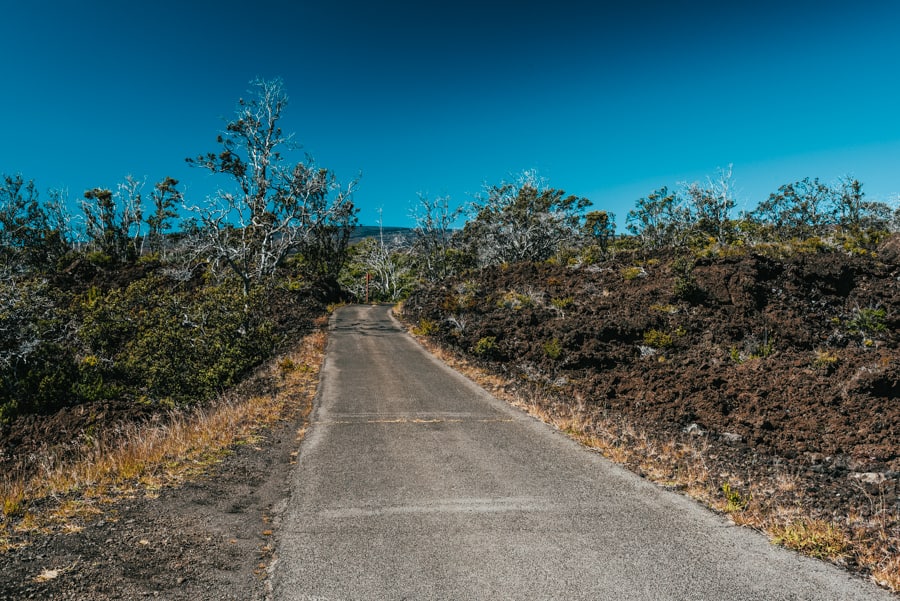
143, 458
813, 537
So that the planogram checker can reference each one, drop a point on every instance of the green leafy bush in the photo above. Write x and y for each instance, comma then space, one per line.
632, 273
561, 303
426, 327
553, 349
658, 339
867, 321
734, 500
686, 287
516, 300
36, 366
486, 346
171, 344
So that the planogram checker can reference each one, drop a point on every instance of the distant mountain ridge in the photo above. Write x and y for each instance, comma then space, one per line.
361, 232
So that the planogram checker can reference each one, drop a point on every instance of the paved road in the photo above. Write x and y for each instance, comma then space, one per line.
413, 483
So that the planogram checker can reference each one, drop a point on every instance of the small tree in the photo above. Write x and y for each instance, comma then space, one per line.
31, 235
434, 234
798, 209
60, 221
660, 219
599, 229
712, 205
113, 221
277, 208
525, 221
853, 212
810, 208
166, 197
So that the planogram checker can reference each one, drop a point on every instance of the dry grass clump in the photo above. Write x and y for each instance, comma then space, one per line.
771, 507
143, 458
814, 537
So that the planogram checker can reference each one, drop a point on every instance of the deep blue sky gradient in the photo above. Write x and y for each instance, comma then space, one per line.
605, 100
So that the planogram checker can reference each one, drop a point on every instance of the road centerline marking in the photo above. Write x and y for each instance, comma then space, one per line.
415, 420
472, 505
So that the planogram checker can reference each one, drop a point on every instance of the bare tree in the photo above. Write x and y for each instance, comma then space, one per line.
713, 204
434, 236
277, 208
522, 221
113, 221
380, 268
390, 276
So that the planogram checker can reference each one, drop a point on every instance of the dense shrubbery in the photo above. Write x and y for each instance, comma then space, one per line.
528, 221
155, 340
167, 343
126, 308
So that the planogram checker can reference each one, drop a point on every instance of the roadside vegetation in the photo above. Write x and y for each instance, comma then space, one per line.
748, 359
125, 325
141, 457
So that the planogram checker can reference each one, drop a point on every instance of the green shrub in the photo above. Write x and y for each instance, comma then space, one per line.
486, 346
426, 327
8, 409
36, 365
867, 321
670, 309
98, 258
161, 342
516, 301
43, 384
631, 273
825, 360
553, 349
562, 303
658, 339
190, 355
810, 245
734, 500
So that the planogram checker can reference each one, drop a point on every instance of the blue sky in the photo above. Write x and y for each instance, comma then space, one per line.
605, 100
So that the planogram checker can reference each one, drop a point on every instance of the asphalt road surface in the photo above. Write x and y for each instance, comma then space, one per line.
413, 483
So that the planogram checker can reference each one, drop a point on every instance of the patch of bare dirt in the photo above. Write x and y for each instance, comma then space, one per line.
208, 539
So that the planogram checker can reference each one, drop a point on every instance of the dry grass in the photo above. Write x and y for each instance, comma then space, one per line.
873, 548
143, 458
813, 537
887, 573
